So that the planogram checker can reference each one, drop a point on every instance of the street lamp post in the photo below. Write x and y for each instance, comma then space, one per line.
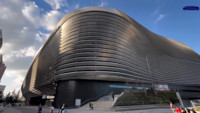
153, 85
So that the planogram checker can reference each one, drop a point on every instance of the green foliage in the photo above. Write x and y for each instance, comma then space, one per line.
168, 96
9, 99
140, 98
12, 97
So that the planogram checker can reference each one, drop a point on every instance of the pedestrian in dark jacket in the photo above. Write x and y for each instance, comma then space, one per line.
91, 106
40, 108
113, 96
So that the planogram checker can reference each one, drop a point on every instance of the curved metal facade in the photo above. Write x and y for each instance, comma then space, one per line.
105, 44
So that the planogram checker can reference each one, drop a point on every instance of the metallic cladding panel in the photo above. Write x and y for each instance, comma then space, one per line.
105, 44
167, 69
99, 45
47, 59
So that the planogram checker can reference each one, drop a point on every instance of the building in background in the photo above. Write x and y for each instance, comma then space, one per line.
96, 50
2, 66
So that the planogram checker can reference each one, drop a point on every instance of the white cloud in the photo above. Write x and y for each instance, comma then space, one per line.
24, 29
56, 4
103, 3
38, 37
30, 52
41, 37
26, 52
31, 12
77, 6
16, 78
160, 17
66, 11
6, 15
20, 22
51, 19
6, 47
14, 73
7, 57
156, 11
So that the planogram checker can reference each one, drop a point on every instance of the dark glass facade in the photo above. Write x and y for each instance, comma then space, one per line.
104, 45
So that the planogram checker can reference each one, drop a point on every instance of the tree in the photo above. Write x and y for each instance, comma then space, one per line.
13, 93
12, 97
8, 95
17, 97
9, 98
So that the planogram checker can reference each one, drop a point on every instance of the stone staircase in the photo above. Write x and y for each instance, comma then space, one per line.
104, 103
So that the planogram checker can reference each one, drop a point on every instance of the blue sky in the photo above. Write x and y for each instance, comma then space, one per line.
164, 17
26, 25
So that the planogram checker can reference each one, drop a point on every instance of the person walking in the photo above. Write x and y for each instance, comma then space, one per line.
40, 108
172, 108
59, 109
63, 108
113, 96
63, 111
178, 110
52, 109
91, 106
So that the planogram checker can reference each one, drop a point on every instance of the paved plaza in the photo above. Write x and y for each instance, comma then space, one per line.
31, 109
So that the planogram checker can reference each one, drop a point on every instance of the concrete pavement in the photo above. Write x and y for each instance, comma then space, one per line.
139, 107
23, 110
33, 109
11, 110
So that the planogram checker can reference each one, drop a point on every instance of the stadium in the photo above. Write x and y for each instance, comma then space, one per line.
96, 50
